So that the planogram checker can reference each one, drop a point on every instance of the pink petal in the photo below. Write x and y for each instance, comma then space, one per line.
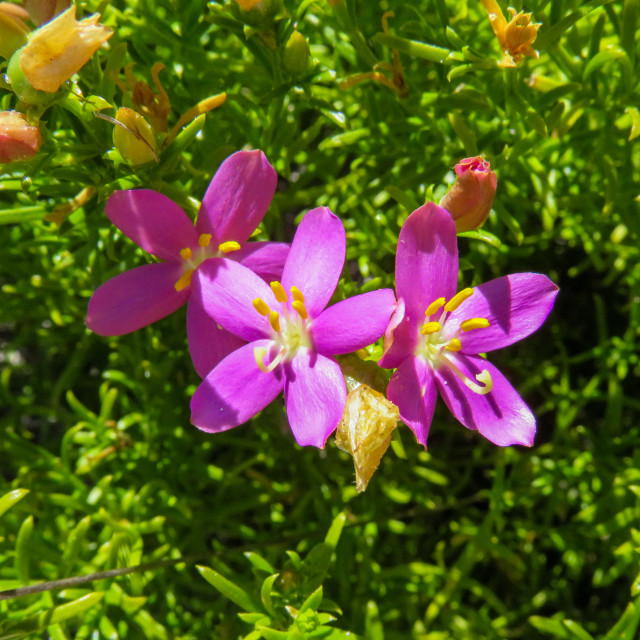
426, 259
208, 343
412, 388
135, 299
515, 305
238, 197
353, 323
152, 221
226, 291
264, 258
315, 394
501, 415
234, 391
400, 338
316, 258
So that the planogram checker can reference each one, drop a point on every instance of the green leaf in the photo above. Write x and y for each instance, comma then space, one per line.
9, 499
24, 550
627, 625
265, 594
228, 589
312, 602
335, 530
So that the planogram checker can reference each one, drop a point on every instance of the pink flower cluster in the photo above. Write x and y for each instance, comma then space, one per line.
258, 320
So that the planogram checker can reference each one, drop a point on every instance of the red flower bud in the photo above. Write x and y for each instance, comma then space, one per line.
18, 139
470, 198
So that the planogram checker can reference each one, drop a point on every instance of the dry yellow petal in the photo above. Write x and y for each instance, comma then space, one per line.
60, 48
365, 430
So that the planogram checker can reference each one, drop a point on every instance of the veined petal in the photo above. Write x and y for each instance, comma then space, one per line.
400, 338
208, 343
135, 298
263, 258
152, 221
514, 305
501, 415
354, 323
316, 258
238, 197
315, 394
226, 291
235, 390
412, 388
426, 259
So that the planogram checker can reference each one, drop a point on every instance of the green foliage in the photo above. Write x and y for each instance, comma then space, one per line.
103, 478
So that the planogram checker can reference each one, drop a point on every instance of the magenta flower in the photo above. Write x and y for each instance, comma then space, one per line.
435, 334
291, 335
233, 206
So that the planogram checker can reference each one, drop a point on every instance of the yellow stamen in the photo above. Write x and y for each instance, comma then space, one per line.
485, 377
261, 307
454, 345
458, 299
297, 294
184, 281
278, 291
430, 327
300, 308
274, 320
474, 323
204, 240
185, 253
227, 247
434, 306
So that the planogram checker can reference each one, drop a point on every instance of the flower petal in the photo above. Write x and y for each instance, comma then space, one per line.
226, 291
400, 338
515, 306
412, 388
264, 258
135, 298
234, 391
316, 258
353, 323
315, 394
426, 259
238, 197
208, 343
152, 221
501, 415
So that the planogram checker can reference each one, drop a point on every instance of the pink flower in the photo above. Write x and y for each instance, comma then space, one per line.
233, 206
291, 335
470, 198
435, 334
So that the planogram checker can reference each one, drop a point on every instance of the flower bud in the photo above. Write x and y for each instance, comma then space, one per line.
260, 14
470, 198
60, 48
13, 31
296, 54
365, 430
135, 140
18, 139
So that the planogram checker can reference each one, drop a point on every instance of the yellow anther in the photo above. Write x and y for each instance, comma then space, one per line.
454, 345
297, 294
185, 253
184, 281
474, 323
434, 306
458, 299
430, 327
300, 308
227, 247
204, 240
278, 291
274, 320
261, 307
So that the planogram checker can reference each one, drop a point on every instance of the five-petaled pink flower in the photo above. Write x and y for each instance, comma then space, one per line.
232, 208
435, 334
291, 335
